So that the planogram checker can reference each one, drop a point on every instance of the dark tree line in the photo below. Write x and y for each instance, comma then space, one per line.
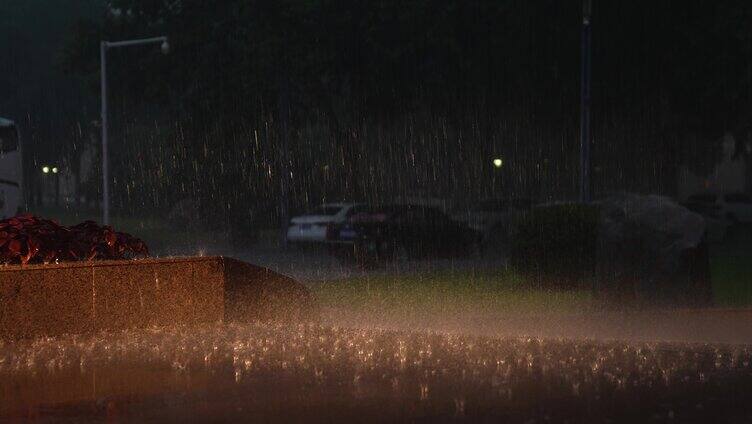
306, 100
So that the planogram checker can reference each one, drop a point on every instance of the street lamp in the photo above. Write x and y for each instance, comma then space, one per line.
54, 170
104, 45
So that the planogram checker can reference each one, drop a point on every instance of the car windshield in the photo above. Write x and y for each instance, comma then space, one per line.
415, 214
491, 206
326, 210
501, 205
738, 198
8, 139
702, 198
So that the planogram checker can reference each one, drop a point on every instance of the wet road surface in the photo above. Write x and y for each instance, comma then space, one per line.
314, 373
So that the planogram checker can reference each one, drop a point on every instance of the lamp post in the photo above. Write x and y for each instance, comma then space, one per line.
103, 46
587, 11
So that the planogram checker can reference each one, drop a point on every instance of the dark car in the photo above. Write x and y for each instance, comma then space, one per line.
401, 231
735, 207
496, 219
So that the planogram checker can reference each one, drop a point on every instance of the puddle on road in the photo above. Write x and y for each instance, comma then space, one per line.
313, 372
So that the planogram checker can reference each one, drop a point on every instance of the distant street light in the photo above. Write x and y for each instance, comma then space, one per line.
46, 169
498, 162
104, 45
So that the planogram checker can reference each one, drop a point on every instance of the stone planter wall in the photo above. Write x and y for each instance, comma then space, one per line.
80, 297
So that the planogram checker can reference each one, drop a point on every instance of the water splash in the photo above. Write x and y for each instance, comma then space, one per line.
451, 373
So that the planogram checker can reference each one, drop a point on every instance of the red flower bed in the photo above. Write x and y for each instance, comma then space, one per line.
29, 239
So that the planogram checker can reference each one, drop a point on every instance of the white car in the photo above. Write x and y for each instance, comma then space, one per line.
312, 227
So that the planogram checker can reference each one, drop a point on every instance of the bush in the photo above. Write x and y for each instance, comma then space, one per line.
28, 239
556, 244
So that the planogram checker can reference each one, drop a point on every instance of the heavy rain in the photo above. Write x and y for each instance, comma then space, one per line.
331, 211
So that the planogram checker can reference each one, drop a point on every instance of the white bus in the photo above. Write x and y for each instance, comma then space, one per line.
10, 169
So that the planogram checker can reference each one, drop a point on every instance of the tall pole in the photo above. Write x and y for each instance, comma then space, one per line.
284, 184
585, 184
105, 156
103, 46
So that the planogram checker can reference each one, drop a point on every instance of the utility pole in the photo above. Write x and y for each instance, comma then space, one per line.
585, 184
105, 155
103, 47
283, 157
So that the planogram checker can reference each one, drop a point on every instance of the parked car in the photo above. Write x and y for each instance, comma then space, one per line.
735, 206
405, 231
312, 227
716, 225
494, 218
720, 212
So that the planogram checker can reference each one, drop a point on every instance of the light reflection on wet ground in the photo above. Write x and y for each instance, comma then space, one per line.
318, 373
712, 325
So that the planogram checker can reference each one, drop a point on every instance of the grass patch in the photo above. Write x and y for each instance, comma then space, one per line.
447, 292
732, 279
731, 269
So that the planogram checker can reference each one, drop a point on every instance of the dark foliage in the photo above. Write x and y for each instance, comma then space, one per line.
28, 239
556, 244
270, 104
283, 104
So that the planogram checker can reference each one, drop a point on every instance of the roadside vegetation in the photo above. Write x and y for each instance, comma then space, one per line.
447, 292
731, 269
505, 289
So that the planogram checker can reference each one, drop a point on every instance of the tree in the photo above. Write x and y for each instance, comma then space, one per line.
393, 94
